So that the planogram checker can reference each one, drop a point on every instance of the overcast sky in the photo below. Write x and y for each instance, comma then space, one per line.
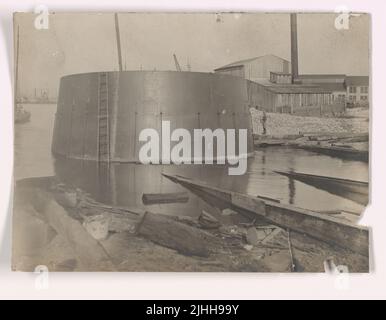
76, 43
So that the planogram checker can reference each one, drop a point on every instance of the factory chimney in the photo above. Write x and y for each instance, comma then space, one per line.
294, 48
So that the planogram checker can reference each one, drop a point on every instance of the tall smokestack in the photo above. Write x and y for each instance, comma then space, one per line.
294, 48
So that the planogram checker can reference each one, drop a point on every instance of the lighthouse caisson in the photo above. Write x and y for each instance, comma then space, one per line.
101, 114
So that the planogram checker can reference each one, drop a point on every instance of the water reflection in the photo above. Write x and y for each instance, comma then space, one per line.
292, 190
124, 184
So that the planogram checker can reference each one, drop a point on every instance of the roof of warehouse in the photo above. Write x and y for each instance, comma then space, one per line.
281, 73
291, 88
242, 62
332, 86
322, 76
357, 80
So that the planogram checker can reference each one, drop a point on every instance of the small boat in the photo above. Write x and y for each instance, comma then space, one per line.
357, 191
339, 152
22, 115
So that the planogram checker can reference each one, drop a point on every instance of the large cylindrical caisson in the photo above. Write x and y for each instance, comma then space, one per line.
100, 115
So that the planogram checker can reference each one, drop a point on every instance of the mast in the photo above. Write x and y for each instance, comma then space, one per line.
16, 68
294, 47
118, 41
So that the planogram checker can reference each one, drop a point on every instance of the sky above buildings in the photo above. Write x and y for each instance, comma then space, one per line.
76, 43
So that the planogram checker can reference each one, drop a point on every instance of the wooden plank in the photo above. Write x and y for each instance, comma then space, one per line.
158, 198
248, 203
268, 198
324, 228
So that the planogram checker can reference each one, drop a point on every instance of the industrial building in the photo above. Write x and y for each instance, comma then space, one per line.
357, 89
256, 68
274, 84
299, 99
349, 89
333, 82
276, 91
274, 87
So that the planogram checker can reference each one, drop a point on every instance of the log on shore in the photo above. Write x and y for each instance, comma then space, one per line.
162, 198
167, 231
177, 236
89, 252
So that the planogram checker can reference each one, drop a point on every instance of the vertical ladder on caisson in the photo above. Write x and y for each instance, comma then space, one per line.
103, 119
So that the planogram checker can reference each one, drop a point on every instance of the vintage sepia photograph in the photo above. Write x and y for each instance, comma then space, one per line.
191, 142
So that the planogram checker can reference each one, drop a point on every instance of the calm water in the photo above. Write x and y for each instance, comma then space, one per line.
124, 184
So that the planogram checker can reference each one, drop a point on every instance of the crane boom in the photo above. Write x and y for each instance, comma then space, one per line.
178, 67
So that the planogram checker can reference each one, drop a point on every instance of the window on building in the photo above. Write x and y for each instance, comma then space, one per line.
364, 89
363, 98
353, 98
341, 97
353, 89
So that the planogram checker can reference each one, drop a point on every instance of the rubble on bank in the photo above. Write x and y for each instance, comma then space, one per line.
345, 137
281, 125
141, 241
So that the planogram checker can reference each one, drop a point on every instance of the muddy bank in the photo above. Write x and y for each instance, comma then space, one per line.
55, 226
